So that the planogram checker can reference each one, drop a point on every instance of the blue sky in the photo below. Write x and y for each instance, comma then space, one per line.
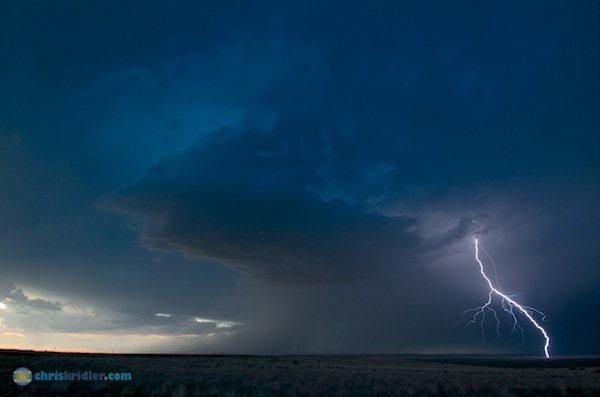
305, 177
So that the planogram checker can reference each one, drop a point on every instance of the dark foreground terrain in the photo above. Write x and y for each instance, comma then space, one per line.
380, 375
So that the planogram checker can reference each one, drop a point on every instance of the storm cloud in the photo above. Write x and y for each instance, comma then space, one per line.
296, 177
246, 205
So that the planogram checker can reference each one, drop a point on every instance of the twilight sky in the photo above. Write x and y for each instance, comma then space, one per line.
297, 177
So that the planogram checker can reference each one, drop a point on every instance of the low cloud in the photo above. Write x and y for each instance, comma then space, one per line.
9, 293
276, 238
44, 324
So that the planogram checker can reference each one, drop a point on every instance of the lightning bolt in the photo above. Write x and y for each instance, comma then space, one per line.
509, 305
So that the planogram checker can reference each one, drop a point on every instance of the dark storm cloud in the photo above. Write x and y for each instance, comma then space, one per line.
241, 198
303, 143
278, 239
377, 153
361, 120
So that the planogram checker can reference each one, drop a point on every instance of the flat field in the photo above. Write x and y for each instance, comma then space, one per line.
361, 375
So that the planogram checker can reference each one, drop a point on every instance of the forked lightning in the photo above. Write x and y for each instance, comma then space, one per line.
508, 305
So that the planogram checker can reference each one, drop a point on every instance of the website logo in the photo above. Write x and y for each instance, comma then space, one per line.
22, 376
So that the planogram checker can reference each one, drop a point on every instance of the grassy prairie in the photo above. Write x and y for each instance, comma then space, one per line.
378, 375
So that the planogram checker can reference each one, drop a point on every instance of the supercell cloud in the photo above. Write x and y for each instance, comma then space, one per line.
300, 177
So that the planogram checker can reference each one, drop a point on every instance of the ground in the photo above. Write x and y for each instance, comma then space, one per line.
363, 375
